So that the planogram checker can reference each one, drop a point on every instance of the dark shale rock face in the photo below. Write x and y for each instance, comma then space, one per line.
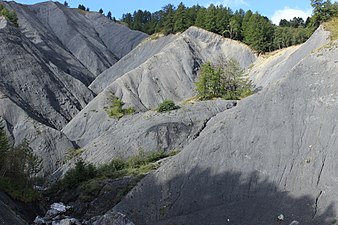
47, 64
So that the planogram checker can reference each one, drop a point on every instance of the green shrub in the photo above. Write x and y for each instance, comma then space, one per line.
81, 173
116, 110
167, 105
115, 169
10, 15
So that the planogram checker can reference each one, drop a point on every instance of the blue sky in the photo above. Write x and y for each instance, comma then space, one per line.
275, 10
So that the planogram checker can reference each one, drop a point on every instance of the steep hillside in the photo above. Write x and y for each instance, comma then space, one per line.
147, 49
49, 143
89, 37
273, 154
269, 69
169, 73
147, 132
47, 64
34, 83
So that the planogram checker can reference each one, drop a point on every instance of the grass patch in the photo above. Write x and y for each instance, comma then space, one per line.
156, 36
73, 153
332, 26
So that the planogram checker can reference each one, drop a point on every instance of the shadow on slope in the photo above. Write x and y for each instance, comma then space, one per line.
204, 197
15, 212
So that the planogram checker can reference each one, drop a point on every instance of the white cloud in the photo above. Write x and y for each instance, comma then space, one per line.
289, 13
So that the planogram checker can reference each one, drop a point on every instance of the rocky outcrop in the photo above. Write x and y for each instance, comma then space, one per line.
273, 154
35, 84
59, 51
7, 216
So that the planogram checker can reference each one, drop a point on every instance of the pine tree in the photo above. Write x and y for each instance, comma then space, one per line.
82, 7
180, 18
168, 20
109, 15
101, 11
258, 33
222, 19
201, 18
211, 18
66, 4
223, 80
203, 85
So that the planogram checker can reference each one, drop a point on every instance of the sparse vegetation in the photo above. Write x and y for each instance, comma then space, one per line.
73, 153
18, 167
80, 173
332, 26
167, 105
117, 111
10, 15
137, 165
223, 81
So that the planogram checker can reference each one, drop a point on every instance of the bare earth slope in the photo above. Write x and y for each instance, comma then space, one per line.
172, 72
169, 73
152, 131
133, 59
35, 84
275, 153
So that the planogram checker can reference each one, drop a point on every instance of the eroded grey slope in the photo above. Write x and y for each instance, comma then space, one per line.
132, 60
152, 131
93, 41
49, 45
49, 144
118, 38
275, 153
169, 74
35, 84
269, 69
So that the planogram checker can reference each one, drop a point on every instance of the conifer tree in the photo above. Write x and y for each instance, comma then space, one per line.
180, 18
168, 20
109, 15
